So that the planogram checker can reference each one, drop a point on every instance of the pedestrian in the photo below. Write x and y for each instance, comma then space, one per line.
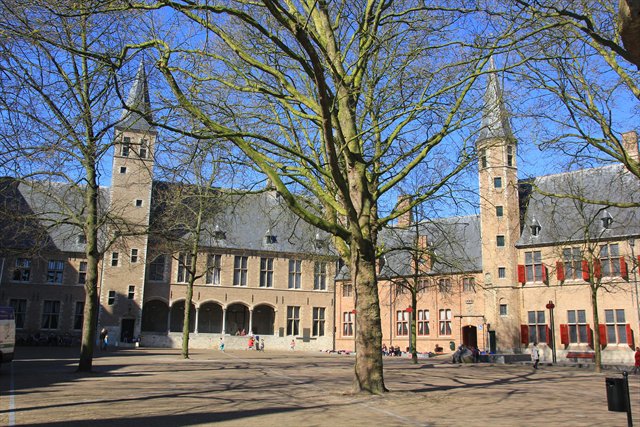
292, 346
262, 344
103, 339
221, 345
636, 367
535, 355
251, 342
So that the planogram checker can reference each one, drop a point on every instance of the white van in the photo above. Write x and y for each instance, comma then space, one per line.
7, 334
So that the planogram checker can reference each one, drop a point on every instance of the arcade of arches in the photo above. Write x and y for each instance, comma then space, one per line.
208, 317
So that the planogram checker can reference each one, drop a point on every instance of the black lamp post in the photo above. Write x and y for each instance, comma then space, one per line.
551, 306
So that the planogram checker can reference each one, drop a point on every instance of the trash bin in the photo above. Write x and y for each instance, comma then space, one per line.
616, 394
452, 345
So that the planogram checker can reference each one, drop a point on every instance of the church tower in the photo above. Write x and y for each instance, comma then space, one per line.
122, 289
499, 216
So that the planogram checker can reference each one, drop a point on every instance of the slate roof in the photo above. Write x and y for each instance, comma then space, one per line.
564, 220
495, 118
138, 100
38, 215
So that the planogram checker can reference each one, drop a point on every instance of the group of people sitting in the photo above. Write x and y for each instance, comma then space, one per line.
391, 351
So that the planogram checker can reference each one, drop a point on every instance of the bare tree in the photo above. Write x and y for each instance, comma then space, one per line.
59, 108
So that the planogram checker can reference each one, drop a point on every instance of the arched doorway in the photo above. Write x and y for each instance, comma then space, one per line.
210, 318
154, 316
263, 320
237, 318
177, 317
470, 336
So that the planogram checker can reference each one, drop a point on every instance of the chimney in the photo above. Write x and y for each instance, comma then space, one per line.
404, 220
630, 145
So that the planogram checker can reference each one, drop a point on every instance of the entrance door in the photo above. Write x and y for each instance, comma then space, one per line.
470, 336
126, 330
492, 342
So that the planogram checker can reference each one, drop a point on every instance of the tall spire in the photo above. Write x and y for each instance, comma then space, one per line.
495, 119
138, 100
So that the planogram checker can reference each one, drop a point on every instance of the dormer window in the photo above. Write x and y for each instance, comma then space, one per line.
535, 228
82, 239
270, 238
319, 241
126, 146
606, 219
219, 234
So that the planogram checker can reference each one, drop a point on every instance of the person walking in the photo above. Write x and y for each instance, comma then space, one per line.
221, 345
636, 367
535, 355
103, 339
292, 346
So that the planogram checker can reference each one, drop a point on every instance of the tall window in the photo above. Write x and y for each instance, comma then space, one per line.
20, 311
22, 272
131, 292
184, 264
156, 269
499, 211
402, 323
577, 322
240, 270
295, 273
423, 322
572, 258
114, 259
537, 326
50, 314
504, 310
55, 269
509, 155
82, 273
347, 289
320, 276
126, 146
400, 289
293, 320
318, 321
266, 272
500, 241
347, 324
444, 285
616, 326
134, 256
502, 272
610, 260
533, 266
111, 298
483, 158
445, 316
423, 285
213, 269
78, 315
144, 145
469, 284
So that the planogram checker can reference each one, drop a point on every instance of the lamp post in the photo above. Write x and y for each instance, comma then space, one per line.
551, 306
410, 311
355, 340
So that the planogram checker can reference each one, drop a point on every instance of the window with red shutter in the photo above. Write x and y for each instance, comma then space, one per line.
624, 271
585, 270
521, 275
564, 334
548, 335
603, 335
545, 274
524, 334
560, 270
597, 268
630, 336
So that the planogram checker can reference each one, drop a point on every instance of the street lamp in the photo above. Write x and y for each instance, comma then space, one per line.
410, 311
551, 306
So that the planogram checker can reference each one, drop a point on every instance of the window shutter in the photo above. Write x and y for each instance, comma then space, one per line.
564, 334
545, 274
597, 268
624, 271
548, 335
603, 335
585, 270
521, 276
630, 336
524, 334
590, 336
560, 270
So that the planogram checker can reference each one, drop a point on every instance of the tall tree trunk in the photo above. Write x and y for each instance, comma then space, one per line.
412, 317
368, 366
629, 13
596, 328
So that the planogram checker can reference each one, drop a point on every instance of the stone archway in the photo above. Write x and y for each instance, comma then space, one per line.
263, 321
237, 319
155, 314
177, 317
210, 318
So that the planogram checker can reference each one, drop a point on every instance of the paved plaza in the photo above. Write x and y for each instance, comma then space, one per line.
155, 387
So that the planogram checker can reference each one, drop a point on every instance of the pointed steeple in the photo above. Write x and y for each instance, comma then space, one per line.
138, 100
495, 119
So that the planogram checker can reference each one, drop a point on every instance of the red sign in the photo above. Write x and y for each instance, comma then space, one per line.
551, 306
409, 309
354, 311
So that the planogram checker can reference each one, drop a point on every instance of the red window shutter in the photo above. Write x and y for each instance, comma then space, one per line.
524, 334
560, 270
548, 335
603, 335
597, 269
590, 336
521, 276
564, 334
545, 274
585, 270
630, 336
624, 271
